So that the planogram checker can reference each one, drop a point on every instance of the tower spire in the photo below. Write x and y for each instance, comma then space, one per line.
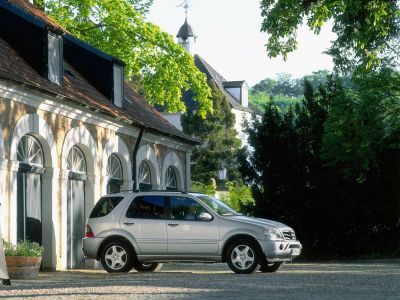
186, 36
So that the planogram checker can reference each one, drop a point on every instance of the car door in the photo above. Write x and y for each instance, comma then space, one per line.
145, 220
187, 234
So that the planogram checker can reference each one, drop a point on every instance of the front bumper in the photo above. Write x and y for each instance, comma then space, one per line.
90, 247
285, 250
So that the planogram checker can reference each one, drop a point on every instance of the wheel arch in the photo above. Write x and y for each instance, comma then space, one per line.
236, 237
119, 238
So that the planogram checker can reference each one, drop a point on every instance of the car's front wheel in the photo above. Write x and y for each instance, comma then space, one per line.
270, 267
147, 267
243, 256
116, 257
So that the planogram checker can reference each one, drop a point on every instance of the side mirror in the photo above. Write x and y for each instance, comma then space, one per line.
205, 216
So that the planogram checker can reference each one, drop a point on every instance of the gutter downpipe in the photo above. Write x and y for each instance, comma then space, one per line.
134, 163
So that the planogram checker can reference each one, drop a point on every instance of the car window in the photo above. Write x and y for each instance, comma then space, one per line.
104, 206
216, 205
146, 207
183, 208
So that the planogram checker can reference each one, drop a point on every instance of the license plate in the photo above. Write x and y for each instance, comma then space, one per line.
295, 251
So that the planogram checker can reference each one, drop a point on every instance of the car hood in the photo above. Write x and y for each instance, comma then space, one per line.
260, 222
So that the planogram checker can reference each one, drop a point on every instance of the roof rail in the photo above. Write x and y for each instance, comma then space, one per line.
146, 190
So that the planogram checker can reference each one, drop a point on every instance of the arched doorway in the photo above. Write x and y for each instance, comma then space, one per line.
35, 127
144, 176
29, 189
76, 165
114, 174
171, 182
3, 164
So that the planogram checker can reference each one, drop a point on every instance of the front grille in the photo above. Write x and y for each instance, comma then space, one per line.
289, 235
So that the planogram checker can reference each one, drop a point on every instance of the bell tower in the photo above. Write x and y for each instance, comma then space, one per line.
186, 36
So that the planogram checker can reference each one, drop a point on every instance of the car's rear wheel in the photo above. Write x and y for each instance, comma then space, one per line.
116, 257
243, 256
147, 267
270, 267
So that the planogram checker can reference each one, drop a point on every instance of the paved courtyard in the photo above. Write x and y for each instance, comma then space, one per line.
356, 280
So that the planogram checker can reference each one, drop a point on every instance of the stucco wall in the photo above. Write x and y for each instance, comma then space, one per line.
240, 117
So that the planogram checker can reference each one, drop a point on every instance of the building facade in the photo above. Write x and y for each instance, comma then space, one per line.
71, 130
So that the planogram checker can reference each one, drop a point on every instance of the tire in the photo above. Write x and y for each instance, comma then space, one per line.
271, 267
117, 257
147, 267
243, 256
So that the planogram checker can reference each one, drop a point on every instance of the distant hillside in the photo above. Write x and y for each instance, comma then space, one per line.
285, 90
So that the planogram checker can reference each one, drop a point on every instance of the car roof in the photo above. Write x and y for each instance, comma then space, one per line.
146, 192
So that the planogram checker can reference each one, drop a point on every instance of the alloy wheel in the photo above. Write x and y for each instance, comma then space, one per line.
116, 257
242, 257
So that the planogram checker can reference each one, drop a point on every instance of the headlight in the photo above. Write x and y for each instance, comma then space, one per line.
273, 234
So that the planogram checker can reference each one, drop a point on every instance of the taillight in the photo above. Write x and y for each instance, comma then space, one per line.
88, 232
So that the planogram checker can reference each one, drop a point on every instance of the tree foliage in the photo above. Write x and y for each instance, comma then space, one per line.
239, 198
367, 30
220, 144
142, 6
117, 27
330, 166
284, 90
360, 123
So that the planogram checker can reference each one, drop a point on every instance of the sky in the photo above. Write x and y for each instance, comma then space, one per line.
229, 39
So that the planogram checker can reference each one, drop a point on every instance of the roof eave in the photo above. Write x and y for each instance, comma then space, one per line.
189, 141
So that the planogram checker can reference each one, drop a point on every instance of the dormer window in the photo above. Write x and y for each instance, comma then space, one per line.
118, 72
55, 58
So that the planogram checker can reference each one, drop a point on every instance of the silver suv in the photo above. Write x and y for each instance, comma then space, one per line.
143, 229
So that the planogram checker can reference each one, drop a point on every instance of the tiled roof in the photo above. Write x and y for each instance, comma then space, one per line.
77, 89
31, 9
212, 74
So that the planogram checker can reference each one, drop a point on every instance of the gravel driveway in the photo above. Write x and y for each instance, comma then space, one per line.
357, 280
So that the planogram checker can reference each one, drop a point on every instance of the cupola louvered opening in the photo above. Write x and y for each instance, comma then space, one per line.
118, 74
55, 58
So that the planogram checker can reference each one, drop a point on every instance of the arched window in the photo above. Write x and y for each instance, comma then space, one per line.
76, 161
114, 167
144, 176
29, 151
170, 179
114, 174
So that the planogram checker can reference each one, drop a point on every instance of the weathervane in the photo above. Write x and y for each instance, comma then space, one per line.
186, 5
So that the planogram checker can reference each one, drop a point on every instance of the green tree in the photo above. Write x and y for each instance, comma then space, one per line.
330, 166
142, 6
367, 30
116, 27
239, 198
361, 122
220, 144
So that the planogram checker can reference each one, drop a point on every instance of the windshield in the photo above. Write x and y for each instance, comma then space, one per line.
217, 206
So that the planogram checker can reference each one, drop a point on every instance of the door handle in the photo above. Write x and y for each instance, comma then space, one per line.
173, 225
129, 223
